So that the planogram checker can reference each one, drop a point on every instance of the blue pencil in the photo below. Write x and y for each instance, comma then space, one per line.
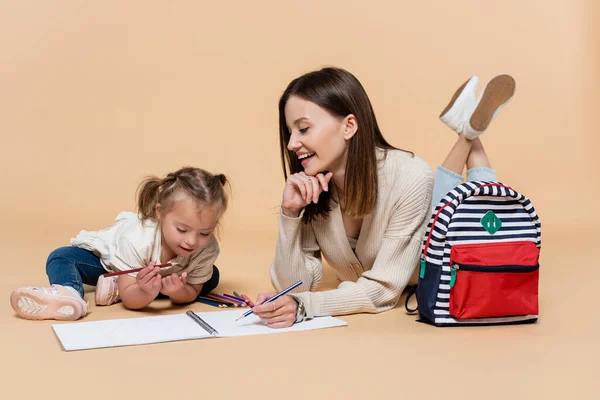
210, 303
278, 295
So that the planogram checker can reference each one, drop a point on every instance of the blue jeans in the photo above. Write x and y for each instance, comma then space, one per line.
446, 180
74, 267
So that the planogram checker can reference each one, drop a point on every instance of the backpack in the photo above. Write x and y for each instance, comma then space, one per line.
479, 264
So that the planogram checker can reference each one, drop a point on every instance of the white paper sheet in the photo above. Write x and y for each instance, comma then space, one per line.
167, 328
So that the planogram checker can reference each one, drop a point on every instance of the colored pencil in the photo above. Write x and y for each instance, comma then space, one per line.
226, 298
221, 297
236, 294
233, 298
278, 295
210, 303
130, 271
212, 297
248, 301
219, 301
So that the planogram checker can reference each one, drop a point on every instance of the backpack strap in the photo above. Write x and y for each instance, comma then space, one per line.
412, 290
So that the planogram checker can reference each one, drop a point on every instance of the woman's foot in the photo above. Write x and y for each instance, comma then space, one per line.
461, 105
470, 116
496, 94
55, 302
107, 290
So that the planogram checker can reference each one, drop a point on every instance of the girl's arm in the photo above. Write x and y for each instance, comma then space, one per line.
186, 294
139, 291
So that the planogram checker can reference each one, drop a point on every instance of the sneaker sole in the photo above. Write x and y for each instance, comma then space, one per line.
454, 97
497, 92
32, 305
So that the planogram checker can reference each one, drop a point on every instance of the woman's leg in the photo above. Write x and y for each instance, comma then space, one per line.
477, 157
457, 157
478, 164
449, 174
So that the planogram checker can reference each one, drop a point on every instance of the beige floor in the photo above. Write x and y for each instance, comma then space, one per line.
376, 356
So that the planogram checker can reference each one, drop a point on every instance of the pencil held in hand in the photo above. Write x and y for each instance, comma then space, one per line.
130, 271
278, 295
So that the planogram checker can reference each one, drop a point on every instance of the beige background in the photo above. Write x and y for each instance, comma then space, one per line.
96, 95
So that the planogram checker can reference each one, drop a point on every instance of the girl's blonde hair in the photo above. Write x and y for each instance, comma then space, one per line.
206, 189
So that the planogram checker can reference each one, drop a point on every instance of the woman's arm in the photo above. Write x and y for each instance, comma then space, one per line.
297, 255
380, 288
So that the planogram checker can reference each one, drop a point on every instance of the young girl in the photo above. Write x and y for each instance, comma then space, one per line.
353, 198
176, 222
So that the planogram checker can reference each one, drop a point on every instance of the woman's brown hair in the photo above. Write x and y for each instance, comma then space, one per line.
202, 186
341, 94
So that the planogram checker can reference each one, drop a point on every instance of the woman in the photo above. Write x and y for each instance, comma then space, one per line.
350, 197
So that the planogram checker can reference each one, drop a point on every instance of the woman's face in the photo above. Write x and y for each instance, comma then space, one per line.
319, 139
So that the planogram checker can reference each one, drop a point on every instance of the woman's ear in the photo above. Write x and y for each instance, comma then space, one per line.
350, 126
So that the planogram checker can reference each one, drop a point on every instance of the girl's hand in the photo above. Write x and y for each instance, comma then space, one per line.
173, 284
149, 279
301, 189
279, 313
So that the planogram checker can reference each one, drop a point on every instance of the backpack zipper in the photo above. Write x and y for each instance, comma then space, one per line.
480, 268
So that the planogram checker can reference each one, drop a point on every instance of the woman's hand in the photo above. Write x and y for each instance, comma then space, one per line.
301, 189
279, 313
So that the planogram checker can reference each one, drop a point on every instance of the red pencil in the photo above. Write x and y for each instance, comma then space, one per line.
129, 271
248, 301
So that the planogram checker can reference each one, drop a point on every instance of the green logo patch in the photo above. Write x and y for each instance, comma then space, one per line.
491, 223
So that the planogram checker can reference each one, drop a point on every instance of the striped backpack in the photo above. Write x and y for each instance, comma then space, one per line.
480, 258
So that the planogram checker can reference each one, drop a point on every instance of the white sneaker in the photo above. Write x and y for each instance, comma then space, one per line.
461, 105
495, 95
471, 116
54, 302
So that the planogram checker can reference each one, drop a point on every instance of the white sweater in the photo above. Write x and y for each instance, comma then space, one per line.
387, 251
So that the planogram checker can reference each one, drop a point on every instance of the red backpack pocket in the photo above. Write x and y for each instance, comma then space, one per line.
494, 280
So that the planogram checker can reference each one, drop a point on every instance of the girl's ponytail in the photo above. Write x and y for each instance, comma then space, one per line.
147, 197
221, 178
